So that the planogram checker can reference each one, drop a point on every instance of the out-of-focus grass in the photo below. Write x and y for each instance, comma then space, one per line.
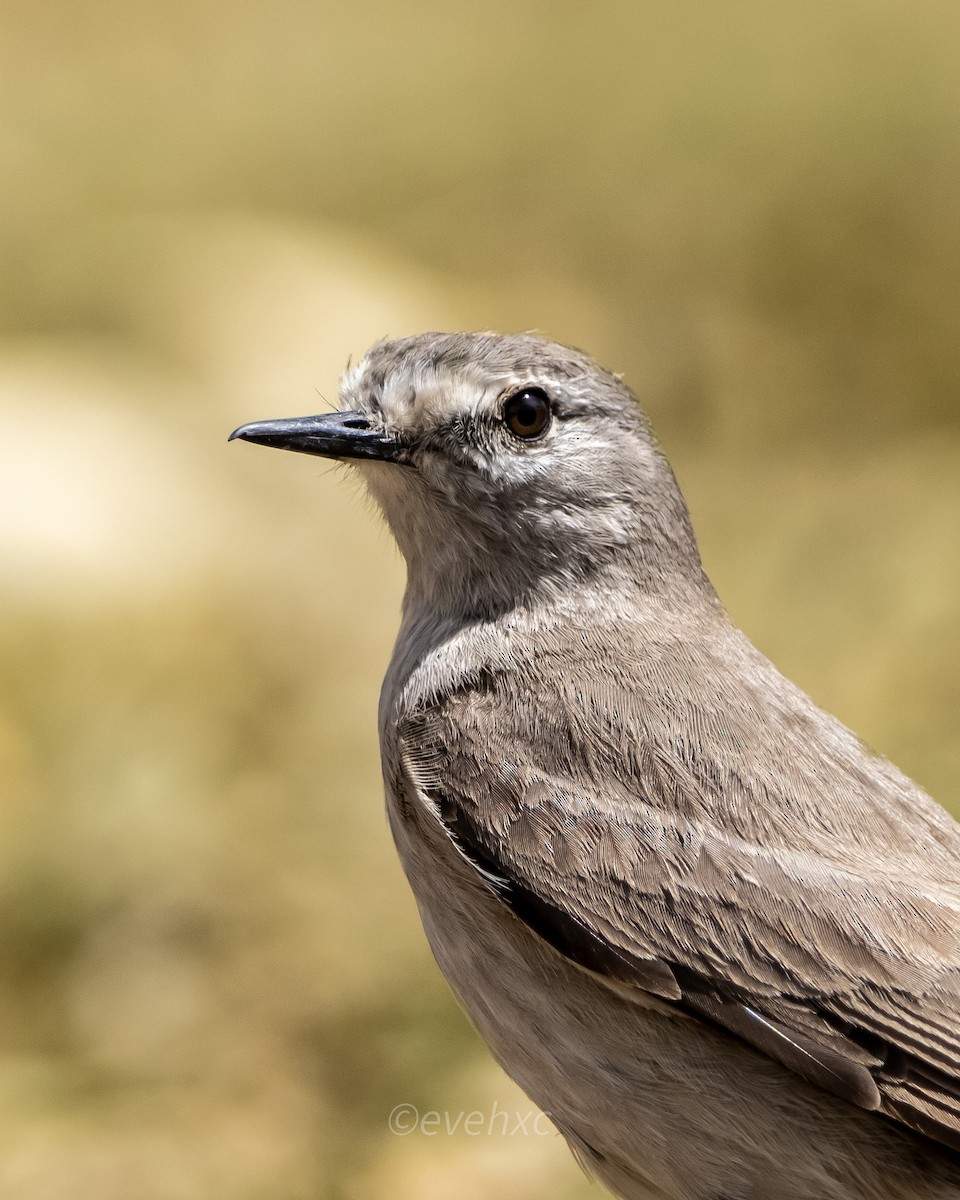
212, 981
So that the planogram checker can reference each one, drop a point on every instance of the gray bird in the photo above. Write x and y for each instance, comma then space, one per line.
701, 925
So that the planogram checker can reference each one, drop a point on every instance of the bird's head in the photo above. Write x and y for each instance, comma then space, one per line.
506, 466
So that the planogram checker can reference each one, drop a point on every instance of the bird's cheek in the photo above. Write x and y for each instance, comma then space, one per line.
442, 480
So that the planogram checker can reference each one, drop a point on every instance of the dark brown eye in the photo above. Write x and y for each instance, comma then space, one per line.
527, 413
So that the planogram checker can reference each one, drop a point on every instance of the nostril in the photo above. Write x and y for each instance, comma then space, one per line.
356, 423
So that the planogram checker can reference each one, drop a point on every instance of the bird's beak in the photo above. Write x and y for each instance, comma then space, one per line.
331, 435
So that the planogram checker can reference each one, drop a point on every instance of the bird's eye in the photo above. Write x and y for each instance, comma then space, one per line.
527, 413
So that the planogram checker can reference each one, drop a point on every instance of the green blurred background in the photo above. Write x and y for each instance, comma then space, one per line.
212, 979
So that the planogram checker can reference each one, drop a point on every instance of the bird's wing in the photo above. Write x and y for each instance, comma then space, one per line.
851, 981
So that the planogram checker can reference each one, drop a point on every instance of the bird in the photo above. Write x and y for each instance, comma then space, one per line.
705, 928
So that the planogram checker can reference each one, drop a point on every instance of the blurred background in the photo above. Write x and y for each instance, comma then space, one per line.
212, 978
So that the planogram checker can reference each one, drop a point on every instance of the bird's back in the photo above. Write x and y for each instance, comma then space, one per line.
646, 801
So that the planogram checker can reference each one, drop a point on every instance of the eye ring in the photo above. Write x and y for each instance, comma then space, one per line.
527, 413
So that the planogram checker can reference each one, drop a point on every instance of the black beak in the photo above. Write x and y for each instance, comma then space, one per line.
331, 435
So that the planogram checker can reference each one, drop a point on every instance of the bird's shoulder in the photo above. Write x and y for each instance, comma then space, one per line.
675, 712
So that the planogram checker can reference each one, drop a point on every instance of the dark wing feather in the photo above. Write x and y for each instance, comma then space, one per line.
851, 982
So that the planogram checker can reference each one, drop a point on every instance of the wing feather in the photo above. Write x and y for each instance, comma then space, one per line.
851, 981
